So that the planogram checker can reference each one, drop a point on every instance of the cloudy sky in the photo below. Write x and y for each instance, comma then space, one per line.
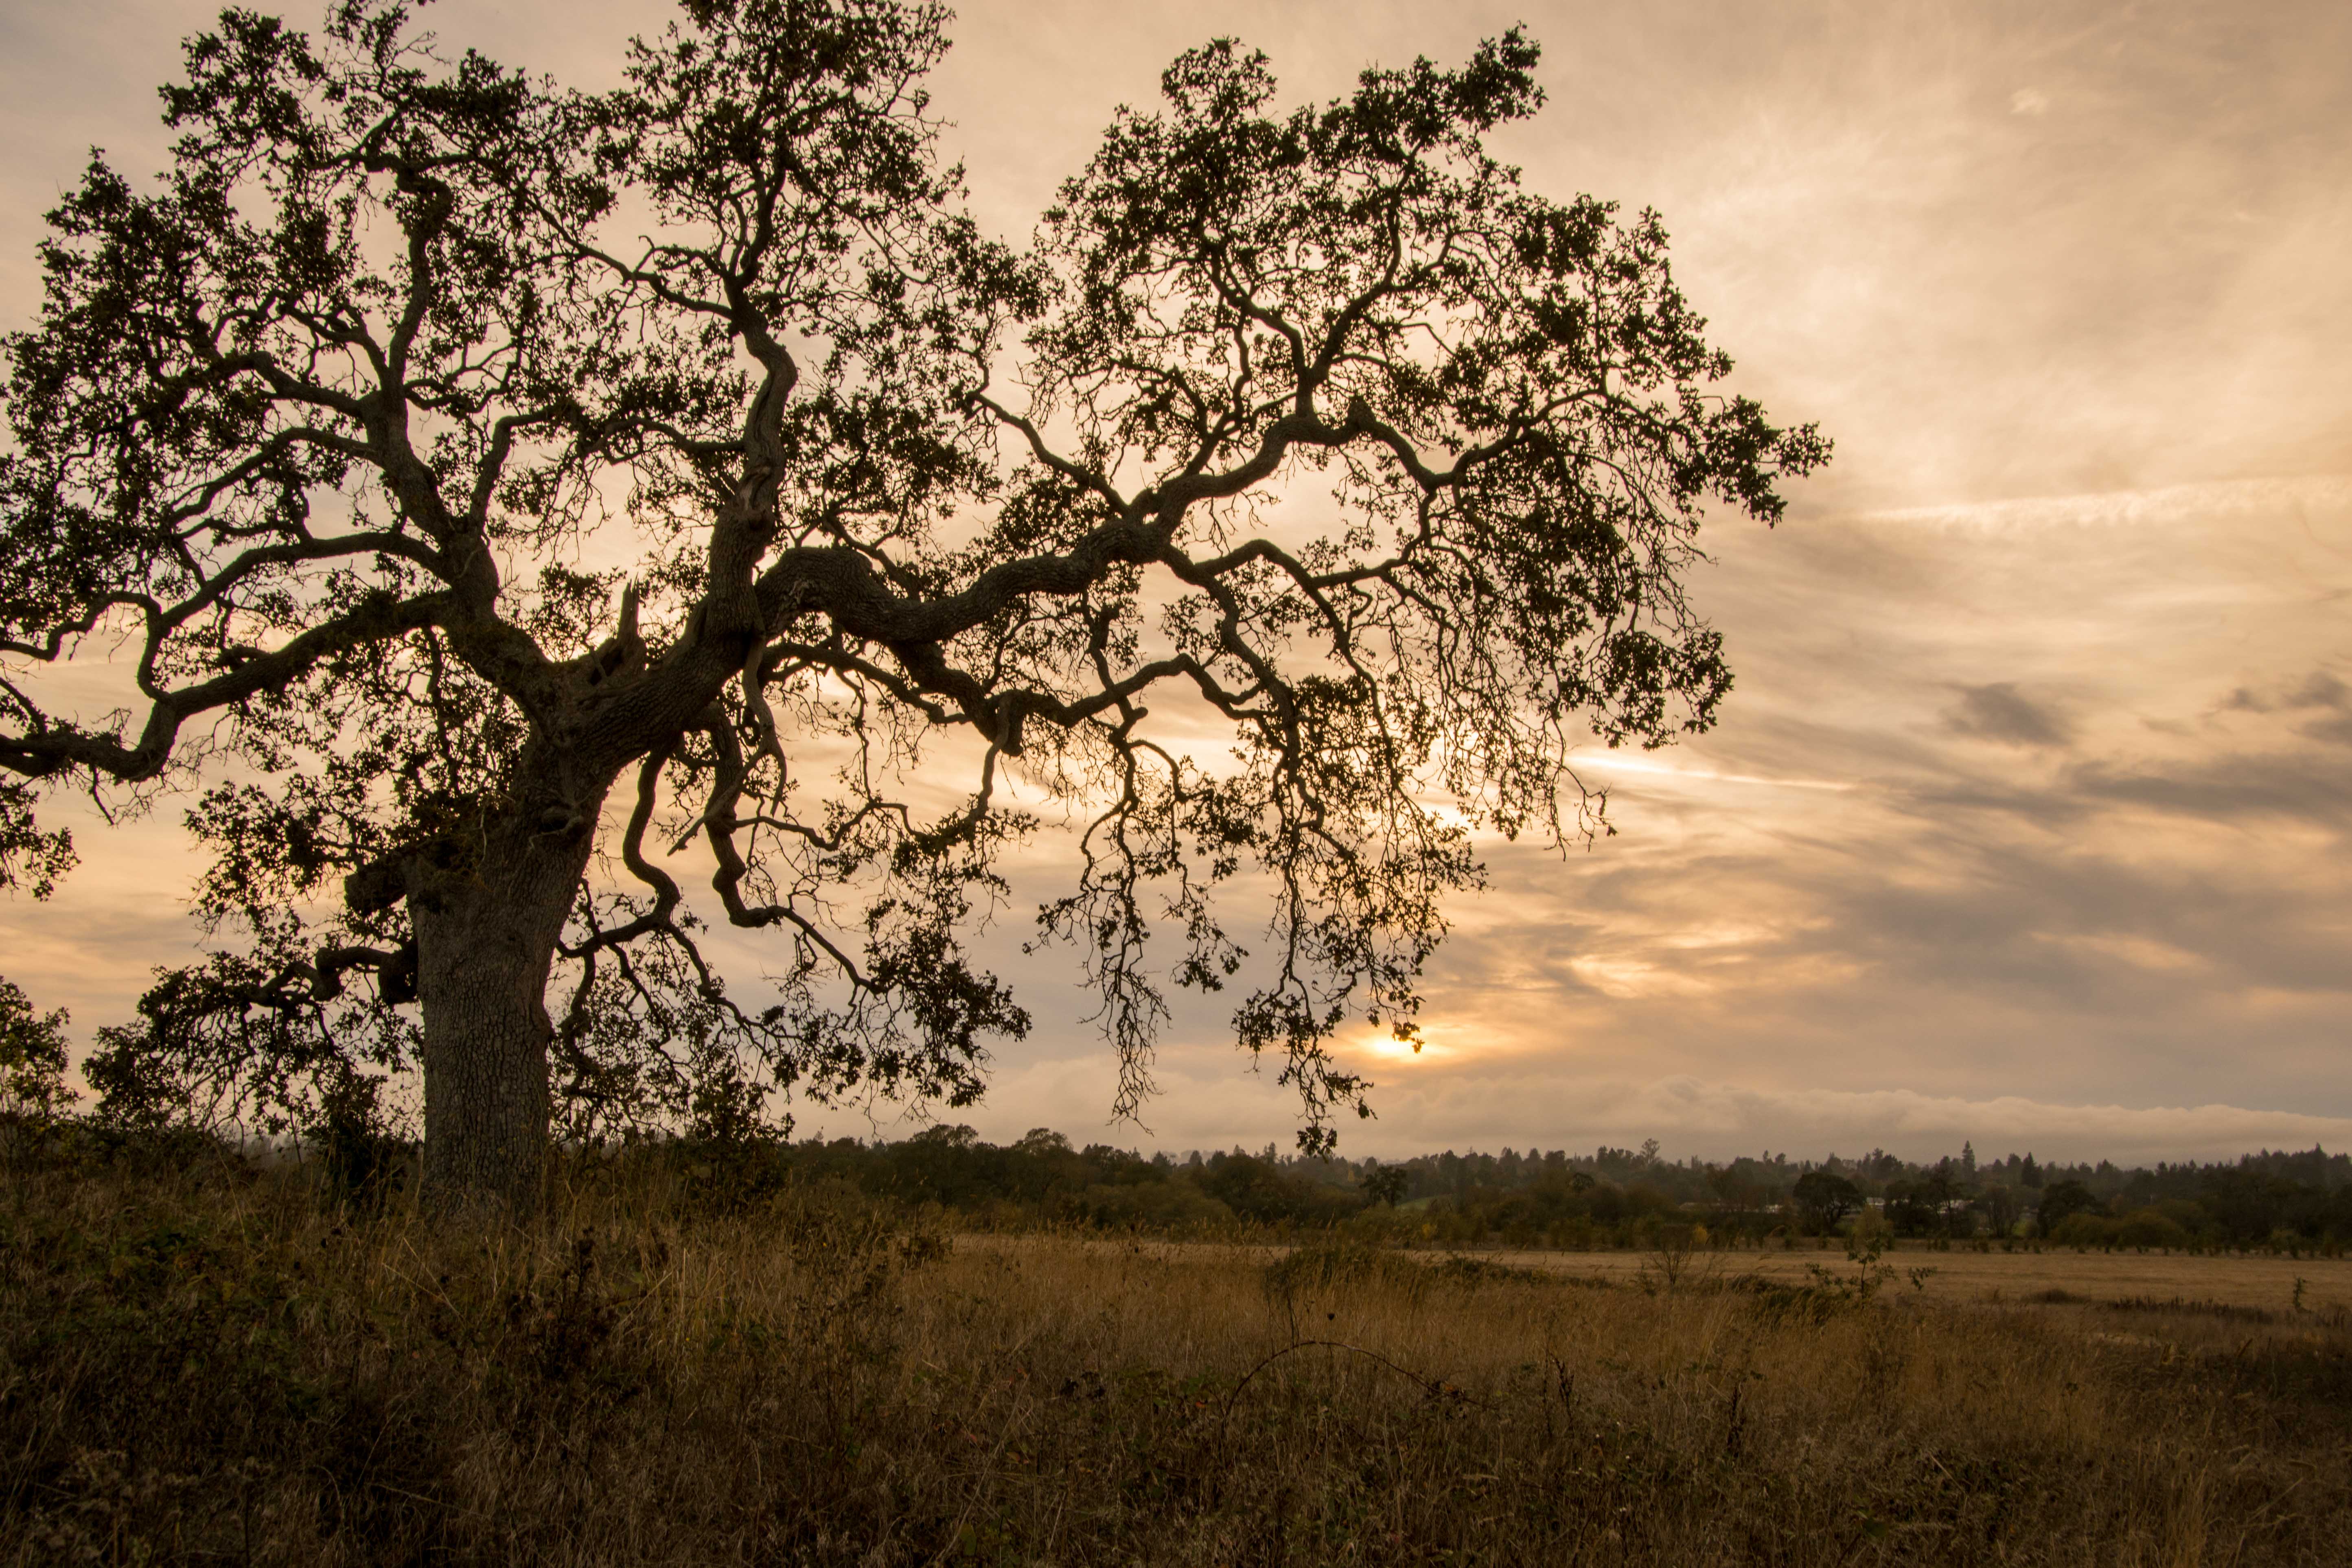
2028, 821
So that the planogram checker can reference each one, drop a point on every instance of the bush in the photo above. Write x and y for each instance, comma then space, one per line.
2144, 1228
2081, 1231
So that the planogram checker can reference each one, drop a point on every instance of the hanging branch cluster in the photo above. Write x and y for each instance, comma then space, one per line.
675, 471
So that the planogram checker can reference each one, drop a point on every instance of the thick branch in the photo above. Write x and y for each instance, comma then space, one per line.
376, 619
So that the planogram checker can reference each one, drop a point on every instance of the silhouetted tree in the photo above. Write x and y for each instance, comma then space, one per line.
1823, 1198
2060, 1199
507, 487
2000, 1206
31, 1059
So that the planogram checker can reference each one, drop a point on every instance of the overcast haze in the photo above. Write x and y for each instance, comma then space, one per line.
2027, 821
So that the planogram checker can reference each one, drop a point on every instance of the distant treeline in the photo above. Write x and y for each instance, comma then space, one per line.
2271, 1201
1611, 1197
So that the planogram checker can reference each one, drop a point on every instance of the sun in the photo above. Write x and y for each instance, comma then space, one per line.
1382, 1046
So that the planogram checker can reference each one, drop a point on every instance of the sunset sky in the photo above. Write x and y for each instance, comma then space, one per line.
2028, 821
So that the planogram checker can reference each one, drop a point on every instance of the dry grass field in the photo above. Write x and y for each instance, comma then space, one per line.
2262, 1282
2258, 1282
217, 1370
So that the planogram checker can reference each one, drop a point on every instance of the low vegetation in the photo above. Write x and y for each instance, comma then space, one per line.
203, 1360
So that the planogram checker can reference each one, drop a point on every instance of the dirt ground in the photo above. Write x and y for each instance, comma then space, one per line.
2263, 1281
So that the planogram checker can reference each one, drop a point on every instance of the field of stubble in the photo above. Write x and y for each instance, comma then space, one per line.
206, 1370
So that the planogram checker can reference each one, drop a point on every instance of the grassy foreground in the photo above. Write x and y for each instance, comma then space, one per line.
212, 1367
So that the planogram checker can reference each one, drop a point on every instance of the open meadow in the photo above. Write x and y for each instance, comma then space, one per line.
217, 1366
2255, 1282
2251, 1286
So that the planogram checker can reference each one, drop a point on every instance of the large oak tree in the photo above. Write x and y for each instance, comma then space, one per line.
498, 492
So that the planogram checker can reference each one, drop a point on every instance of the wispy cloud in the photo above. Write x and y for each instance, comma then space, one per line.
2000, 712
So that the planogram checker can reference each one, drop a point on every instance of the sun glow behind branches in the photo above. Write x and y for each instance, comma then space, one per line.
1382, 1046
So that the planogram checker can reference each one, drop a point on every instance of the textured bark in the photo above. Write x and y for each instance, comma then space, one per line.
486, 943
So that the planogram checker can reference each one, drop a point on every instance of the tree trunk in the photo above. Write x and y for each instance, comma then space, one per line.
486, 941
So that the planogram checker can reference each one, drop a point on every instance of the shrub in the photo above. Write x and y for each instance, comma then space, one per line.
2081, 1231
2144, 1228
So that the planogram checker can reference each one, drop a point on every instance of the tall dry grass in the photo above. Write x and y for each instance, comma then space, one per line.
210, 1367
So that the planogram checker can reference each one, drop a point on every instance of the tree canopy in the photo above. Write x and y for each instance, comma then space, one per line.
505, 489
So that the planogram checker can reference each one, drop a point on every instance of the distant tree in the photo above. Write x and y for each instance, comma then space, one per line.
1823, 1199
2060, 1199
1735, 1191
2000, 1206
501, 489
1906, 1210
2248, 1201
1042, 1142
32, 1057
1941, 1197
1387, 1184
1254, 1188
1108, 1165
